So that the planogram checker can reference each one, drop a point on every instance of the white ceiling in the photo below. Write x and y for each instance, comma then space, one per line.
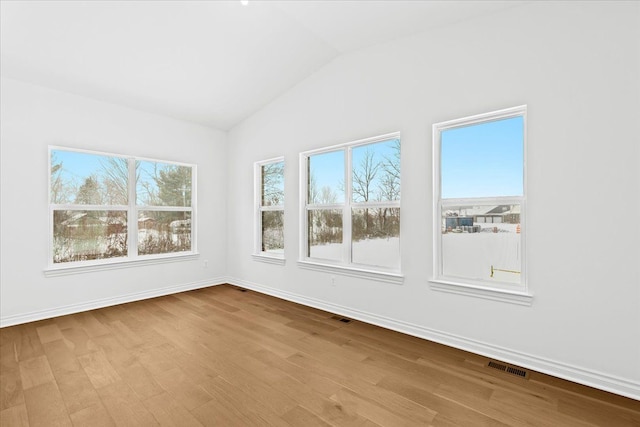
209, 62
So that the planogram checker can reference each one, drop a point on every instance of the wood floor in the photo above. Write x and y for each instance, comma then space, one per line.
224, 357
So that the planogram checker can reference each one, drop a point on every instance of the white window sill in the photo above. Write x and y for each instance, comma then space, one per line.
380, 276
269, 259
495, 294
91, 266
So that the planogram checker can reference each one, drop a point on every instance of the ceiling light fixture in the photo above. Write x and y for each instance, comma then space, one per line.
244, 2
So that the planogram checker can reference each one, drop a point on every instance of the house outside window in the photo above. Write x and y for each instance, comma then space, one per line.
106, 208
479, 205
269, 210
350, 207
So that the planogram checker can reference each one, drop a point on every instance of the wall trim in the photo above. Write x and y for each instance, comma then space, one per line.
33, 316
591, 378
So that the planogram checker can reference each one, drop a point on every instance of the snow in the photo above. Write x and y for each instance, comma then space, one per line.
382, 252
471, 255
465, 255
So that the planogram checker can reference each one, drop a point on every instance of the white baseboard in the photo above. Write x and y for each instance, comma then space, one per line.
554, 368
105, 302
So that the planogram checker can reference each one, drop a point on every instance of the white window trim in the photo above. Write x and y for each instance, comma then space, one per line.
119, 263
258, 253
132, 209
350, 269
516, 294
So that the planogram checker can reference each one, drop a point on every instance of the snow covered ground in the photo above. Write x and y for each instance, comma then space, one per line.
471, 255
384, 252
465, 255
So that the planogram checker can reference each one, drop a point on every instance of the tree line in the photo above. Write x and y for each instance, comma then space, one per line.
373, 179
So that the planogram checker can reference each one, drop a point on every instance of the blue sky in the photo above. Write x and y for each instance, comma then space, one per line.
483, 160
78, 166
328, 168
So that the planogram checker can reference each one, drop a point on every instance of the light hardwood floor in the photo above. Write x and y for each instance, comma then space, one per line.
220, 356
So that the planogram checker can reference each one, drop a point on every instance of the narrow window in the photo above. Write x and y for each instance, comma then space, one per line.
479, 203
269, 183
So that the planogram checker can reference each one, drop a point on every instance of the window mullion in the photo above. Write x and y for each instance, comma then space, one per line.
78, 207
482, 201
271, 208
164, 208
318, 206
376, 204
346, 212
132, 222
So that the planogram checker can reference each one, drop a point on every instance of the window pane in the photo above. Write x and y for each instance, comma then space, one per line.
163, 232
483, 160
326, 178
376, 237
273, 184
89, 235
273, 232
482, 242
325, 234
162, 184
376, 171
88, 179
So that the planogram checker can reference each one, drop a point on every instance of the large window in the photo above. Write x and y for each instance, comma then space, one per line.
106, 208
269, 191
351, 205
479, 201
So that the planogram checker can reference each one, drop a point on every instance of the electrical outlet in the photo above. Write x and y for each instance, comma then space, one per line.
333, 280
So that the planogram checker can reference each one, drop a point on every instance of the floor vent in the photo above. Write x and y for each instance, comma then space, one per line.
511, 370
341, 319
241, 290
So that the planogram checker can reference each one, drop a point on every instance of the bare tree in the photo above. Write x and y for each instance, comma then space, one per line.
313, 194
327, 195
272, 184
61, 189
363, 183
389, 184
364, 177
116, 178
56, 181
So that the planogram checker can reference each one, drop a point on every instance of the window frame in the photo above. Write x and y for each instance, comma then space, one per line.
131, 208
259, 208
499, 291
345, 266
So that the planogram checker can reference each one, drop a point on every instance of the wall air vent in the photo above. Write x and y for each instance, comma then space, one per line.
341, 319
511, 370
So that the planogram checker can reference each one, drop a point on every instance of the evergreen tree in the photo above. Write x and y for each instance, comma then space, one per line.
174, 186
89, 192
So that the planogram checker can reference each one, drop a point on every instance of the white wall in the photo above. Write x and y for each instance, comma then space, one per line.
576, 66
34, 117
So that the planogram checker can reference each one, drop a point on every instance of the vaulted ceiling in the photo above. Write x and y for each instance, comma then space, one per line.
209, 62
